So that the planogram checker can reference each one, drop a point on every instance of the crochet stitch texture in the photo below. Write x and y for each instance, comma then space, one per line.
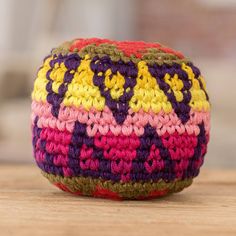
122, 120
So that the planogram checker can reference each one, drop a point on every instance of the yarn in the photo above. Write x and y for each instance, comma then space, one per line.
120, 120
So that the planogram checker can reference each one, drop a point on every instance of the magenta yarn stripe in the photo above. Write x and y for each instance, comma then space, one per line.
100, 156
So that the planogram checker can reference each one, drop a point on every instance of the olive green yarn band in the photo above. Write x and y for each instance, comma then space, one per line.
130, 190
151, 56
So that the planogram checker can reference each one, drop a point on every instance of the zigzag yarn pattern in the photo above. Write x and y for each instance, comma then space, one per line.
123, 120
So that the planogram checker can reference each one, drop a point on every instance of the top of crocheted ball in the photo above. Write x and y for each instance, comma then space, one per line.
152, 53
174, 82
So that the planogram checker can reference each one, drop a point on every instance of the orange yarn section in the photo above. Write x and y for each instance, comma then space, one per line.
136, 48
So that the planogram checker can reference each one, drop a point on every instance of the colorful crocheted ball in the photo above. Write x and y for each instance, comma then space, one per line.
121, 120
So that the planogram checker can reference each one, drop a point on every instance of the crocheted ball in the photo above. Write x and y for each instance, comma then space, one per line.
122, 120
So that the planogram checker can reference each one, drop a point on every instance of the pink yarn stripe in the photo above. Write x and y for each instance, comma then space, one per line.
57, 143
120, 150
39, 156
58, 160
104, 121
120, 146
87, 162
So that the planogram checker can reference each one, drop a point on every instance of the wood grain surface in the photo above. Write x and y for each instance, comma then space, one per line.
29, 205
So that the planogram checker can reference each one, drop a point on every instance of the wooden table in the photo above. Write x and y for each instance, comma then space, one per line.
29, 205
